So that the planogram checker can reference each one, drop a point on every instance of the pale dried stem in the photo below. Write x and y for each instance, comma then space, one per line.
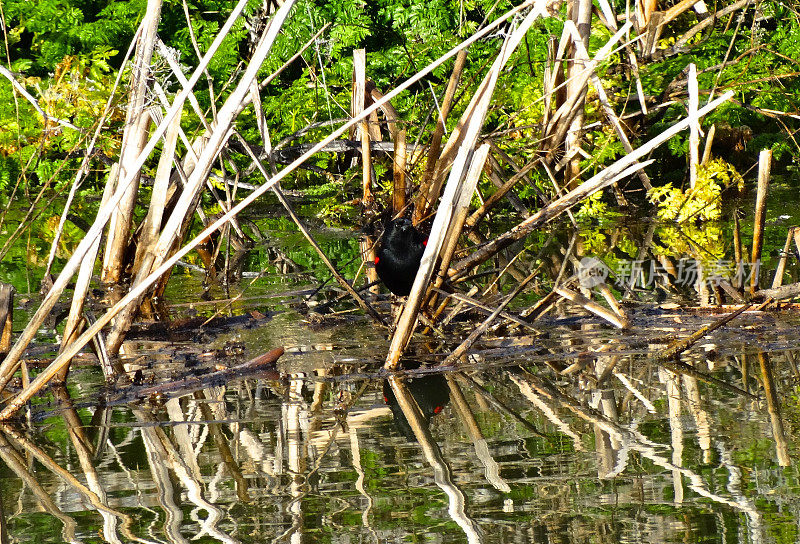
618, 170
764, 166
359, 97
10, 363
399, 170
459, 189
134, 139
173, 229
591, 306
428, 192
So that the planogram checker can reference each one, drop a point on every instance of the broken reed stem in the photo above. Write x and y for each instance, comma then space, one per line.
621, 168
82, 285
737, 249
612, 118
6, 316
424, 202
11, 362
459, 189
764, 165
359, 98
83, 168
456, 226
709, 142
457, 196
134, 139
591, 306
399, 165
694, 126
777, 280
462, 348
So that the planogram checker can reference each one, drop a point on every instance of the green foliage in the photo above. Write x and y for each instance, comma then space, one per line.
701, 202
46, 31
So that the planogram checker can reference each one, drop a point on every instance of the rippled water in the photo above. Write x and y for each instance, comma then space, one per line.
569, 431
513, 447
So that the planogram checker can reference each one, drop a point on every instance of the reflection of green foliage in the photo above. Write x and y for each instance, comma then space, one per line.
595, 210
705, 242
594, 242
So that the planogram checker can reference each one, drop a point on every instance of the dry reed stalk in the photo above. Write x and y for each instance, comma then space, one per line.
687, 36
83, 168
559, 125
11, 362
611, 116
134, 137
778, 293
468, 300
591, 306
456, 226
777, 280
694, 126
621, 168
458, 192
609, 18
764, 166
456, 197
359, 98
82, 285
427, 192
172, 231
548, 82
151, 226
399, 169
607, 294
737, 250
709, 141
6, 316
211, 98
580, 12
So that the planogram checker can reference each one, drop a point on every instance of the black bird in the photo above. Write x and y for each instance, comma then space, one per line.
398, 258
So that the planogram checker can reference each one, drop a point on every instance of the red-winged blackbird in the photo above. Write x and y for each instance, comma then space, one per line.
398, 258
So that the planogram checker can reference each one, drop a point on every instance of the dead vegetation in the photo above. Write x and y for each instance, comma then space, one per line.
443, 197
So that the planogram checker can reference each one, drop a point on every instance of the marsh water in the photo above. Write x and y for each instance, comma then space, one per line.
563, 431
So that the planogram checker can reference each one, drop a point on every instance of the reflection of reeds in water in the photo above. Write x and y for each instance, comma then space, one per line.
281, 447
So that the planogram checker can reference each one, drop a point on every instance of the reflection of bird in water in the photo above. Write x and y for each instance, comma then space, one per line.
402, 246
430, 392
